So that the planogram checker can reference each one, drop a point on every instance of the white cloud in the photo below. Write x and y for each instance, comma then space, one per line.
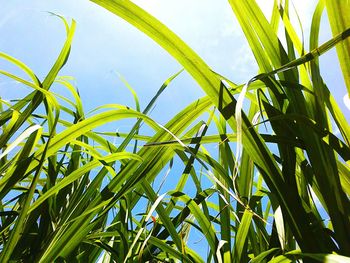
6, 17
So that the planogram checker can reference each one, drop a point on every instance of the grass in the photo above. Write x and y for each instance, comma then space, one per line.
75, 196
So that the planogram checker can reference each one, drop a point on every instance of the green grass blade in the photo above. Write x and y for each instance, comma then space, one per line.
79, 172
338, 16
20, 222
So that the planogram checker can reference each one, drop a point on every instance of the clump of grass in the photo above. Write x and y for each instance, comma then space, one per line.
75, 196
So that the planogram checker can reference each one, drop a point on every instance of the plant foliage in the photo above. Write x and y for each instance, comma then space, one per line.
280, 180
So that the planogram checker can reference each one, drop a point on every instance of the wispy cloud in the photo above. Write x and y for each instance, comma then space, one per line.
6, 17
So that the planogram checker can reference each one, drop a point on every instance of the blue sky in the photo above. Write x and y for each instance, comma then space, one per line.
105, 45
